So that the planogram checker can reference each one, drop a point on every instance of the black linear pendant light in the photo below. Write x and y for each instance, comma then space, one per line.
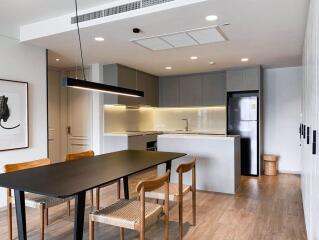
93, 86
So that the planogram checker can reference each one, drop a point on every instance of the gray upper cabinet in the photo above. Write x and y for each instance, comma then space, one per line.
149, 85
169, 92
214, 89
190, 90
127, 78
243, 79
122, 76
110, 77
194, 90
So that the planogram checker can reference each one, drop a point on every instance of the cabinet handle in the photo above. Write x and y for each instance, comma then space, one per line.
304, 131
314, 142
308, 135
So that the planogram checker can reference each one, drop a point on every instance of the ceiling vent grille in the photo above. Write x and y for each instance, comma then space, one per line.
118, 9
149, 3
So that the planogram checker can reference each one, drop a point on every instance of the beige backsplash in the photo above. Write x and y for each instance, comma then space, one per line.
121, 119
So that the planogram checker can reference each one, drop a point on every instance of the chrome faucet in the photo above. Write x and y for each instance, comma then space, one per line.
187, 125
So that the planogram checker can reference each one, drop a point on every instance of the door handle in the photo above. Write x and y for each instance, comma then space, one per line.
68, 129
304, 131
314, 142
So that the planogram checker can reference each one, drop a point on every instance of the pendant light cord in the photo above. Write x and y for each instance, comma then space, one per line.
79, 36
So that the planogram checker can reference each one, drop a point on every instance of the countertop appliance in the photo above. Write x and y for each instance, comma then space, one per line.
243, 120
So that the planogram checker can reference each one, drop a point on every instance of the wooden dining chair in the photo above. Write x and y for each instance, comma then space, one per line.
135, 214
31, 200
87, 154
178, 190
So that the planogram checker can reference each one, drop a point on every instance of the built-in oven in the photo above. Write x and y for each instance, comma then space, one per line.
151, 146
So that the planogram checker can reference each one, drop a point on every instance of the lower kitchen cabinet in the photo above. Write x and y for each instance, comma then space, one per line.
116, 142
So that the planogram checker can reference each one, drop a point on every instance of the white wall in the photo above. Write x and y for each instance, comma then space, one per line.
26, 63
282, 107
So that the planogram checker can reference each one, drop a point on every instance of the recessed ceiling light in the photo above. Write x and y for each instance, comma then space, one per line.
244, 59
211, 62
99, 39
57, 60
168, 68
211, 18
193, 58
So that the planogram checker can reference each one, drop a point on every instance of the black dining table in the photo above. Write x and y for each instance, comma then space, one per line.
74, 178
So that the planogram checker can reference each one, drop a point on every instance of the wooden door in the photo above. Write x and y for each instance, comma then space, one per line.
79, 117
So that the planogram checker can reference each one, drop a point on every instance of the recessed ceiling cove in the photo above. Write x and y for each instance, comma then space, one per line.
188, 38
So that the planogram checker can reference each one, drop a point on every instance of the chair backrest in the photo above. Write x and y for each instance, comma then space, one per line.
185, 167
26, 165
150, 185
78, 156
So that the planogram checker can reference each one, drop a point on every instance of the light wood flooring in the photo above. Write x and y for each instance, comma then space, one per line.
264, 208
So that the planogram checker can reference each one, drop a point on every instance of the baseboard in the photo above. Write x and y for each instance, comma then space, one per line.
289, 172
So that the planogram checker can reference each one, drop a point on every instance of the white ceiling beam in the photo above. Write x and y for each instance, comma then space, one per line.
63, 24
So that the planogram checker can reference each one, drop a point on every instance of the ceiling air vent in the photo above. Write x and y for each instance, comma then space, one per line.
148, 3
108, 12
119, 9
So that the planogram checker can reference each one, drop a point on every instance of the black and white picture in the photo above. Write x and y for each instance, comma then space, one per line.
13, 115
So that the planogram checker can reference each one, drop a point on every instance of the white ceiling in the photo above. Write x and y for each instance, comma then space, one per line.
268, 32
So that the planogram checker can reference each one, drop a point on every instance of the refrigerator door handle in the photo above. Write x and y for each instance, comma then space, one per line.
314, 142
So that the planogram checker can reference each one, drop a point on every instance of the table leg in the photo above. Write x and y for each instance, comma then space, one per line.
20, 211
79, 216
169, 167
126, 189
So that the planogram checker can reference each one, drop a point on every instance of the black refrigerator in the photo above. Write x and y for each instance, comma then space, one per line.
243, 120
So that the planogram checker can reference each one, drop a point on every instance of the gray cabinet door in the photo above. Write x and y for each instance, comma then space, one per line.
252, 78
110, 77
243, 79
136, 143
149, 85
234, 80
169, 92
190, 91
214, 89
127, 78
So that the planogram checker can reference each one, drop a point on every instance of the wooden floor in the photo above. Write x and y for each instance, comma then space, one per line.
264, 208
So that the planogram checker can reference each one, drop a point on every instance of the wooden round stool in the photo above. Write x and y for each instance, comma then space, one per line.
270, 163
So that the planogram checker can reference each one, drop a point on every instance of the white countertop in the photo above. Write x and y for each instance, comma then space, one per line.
173, 132
199, 136
132, 134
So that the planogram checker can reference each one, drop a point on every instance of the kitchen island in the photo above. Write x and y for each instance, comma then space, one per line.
218, 159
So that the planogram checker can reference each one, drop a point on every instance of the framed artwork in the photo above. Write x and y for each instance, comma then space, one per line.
14, 124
